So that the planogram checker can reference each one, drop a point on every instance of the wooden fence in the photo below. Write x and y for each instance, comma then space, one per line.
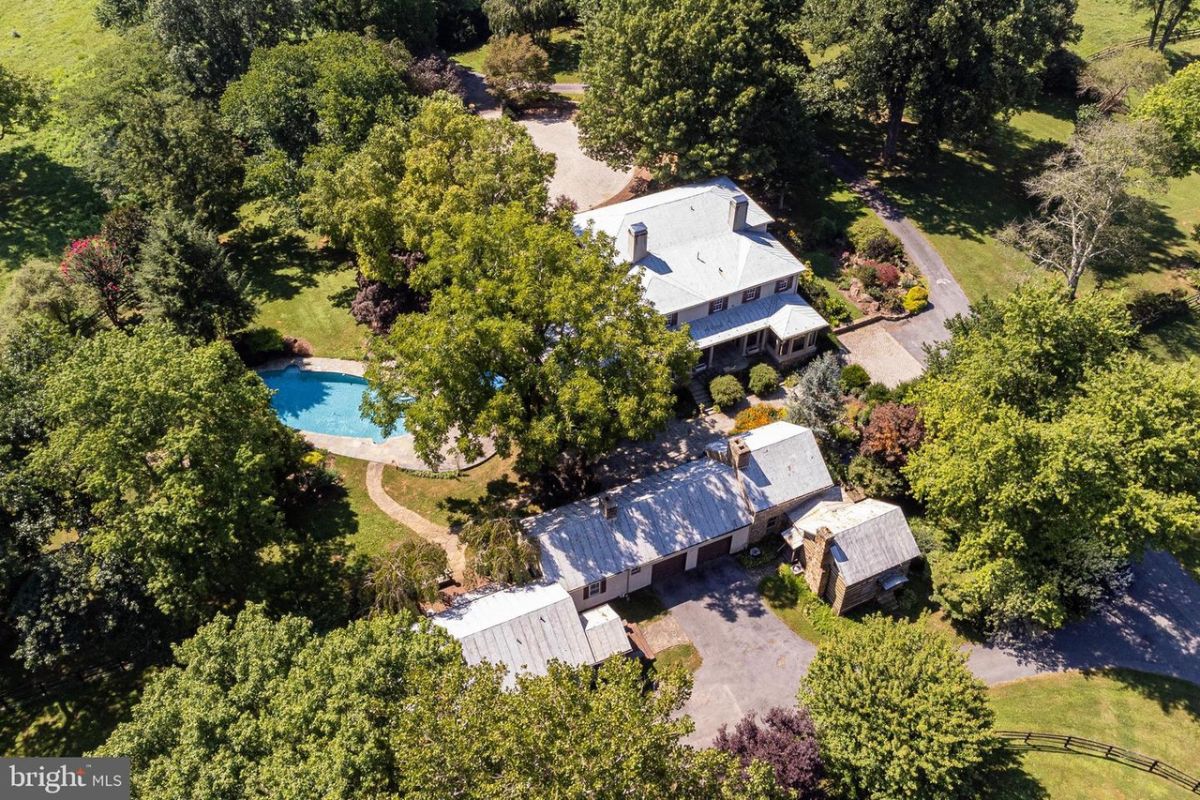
1057, 743
1179, 35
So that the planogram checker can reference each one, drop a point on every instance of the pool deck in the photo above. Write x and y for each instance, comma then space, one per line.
397, 451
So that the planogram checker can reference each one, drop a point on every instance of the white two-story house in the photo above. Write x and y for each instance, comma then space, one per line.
706, 261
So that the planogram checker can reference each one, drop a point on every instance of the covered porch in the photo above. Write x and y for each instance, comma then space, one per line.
783, 327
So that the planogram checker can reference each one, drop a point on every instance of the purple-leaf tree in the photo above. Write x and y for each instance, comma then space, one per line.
95, 263
786, 740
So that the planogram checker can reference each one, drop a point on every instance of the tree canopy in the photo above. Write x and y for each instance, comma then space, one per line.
312, 102
691, 88
22, 101
1052, 456
534, 337
898, 714
1175, 107
390, 197
385, 707
949, 67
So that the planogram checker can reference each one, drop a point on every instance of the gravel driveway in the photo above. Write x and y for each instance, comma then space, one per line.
752, 661
583, 179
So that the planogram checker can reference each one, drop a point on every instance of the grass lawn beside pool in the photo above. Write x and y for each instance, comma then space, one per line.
1158, 717
448, 500
368, 530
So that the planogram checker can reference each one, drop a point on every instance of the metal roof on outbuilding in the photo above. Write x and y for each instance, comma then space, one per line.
785, 464
869, 537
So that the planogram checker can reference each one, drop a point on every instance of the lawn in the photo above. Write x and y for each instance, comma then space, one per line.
449, 500
369, 530
1158, 717
680, 656
565, 44
69, 721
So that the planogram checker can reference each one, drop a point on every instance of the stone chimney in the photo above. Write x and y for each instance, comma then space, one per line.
608, 506
636, 248
739, 204
816, 558
739, 452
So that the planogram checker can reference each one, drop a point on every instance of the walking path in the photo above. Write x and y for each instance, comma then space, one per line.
429, 531
946, 297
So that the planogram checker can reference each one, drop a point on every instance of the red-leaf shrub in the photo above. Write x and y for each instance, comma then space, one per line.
893, 432
887, 275
786, 740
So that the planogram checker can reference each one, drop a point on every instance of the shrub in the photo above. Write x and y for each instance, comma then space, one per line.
854, 379
887, 274
916, 299
435, 73
786, 741
763, 379
833, 308
864, 271
518, 71
726, 391
755, 417
877, 393
498, 550
872, 240
892, 433
823, 231
875, 479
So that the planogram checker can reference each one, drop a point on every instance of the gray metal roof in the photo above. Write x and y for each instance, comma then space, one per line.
785, 464
605, 632
869, 537
523, 627
786, 314
656, 516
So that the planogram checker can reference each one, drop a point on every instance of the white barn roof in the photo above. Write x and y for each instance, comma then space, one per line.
694, 254
869, 537
526, 627
785, 464
655, 517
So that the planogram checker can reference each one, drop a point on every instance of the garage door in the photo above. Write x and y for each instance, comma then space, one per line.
714, 549
668, 567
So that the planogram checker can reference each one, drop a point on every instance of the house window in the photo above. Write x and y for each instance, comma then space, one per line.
773, 523
672, 319
783, 285
635, 570
719, 304
599, 587
751, 294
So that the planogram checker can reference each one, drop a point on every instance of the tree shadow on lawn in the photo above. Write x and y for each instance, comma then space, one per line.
564, 54
43, 205
1158, 236
68, 721
1171, 694
279, 264
1178, 339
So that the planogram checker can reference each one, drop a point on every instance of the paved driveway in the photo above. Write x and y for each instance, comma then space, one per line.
578, 176
752, 661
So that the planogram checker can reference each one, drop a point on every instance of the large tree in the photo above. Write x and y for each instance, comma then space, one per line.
786, 741
1052, 456
413, 22
1175, 107
1165, 18
692, 88
175, 462
144, 137
22, 101
210, 41
389, 198
1110, 81
386, 708
312, 103
1091, 206
534, 338
531, 17
948, 67
898, 714
184, 278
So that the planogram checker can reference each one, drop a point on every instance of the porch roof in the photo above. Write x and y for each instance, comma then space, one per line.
787, 315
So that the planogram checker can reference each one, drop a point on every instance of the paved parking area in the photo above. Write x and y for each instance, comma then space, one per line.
874, 349
583, 179
752, 661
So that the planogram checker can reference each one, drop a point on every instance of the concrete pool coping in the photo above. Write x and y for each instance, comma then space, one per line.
397, 451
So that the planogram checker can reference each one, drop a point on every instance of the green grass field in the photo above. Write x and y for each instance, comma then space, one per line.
1158, 717
564, 49
368, 530
445, 500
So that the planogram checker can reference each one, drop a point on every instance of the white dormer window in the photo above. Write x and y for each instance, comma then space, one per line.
783, 285
720, 304
751, 294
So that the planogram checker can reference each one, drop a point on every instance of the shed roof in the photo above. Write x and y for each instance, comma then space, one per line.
525, 628
694, 255
605, 632
869, 537
656, 516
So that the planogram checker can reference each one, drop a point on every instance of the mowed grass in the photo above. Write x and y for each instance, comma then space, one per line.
55, 39
449, 500
368, 530
565, 44
1158, 717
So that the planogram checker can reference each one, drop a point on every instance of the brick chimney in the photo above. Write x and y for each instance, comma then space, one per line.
739, 452
739, 204
636, 248
816, 558
608, 506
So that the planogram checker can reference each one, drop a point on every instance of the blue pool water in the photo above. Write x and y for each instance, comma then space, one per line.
322, 402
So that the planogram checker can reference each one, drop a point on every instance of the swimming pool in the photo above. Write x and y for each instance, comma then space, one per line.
322, 402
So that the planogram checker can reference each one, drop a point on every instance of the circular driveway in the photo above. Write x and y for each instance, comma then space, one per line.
583, 179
